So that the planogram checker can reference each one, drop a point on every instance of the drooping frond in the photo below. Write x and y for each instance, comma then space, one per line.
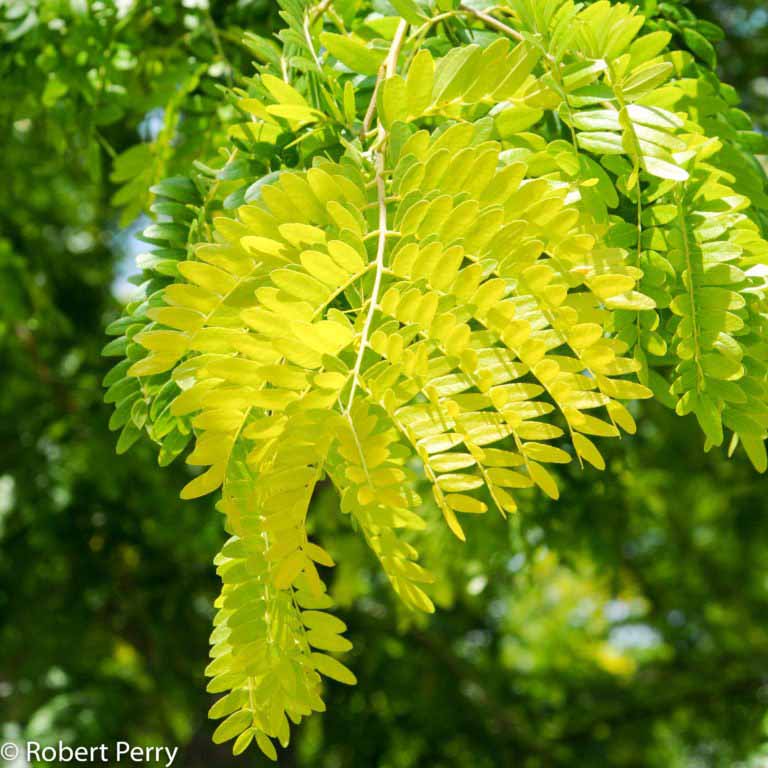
463, 268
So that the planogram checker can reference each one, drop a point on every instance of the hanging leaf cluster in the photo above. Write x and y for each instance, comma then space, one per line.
453, 244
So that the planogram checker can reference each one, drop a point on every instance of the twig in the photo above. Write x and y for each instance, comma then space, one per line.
371, 105
318, 11
492, 22
380, 250
388, 69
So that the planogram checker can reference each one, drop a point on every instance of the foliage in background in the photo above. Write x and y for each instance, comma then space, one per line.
642, 691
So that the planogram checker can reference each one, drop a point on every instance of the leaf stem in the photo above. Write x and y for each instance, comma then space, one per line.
388, 69
380, 249
371, 105
492, 22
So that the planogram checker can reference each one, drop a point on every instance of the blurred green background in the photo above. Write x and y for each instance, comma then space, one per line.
626, 625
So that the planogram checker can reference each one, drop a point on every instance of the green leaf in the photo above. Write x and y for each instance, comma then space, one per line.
663, 169
266, 745
755, 448
410, 11
332, 668
419, 83
282, 92
709, 418
232, 727
296, 113
645, 78
700, 46
243, 741
515, 119
392, 101
350, 111
353, 53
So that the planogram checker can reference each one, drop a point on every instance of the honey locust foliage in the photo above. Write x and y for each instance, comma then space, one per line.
451, 242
